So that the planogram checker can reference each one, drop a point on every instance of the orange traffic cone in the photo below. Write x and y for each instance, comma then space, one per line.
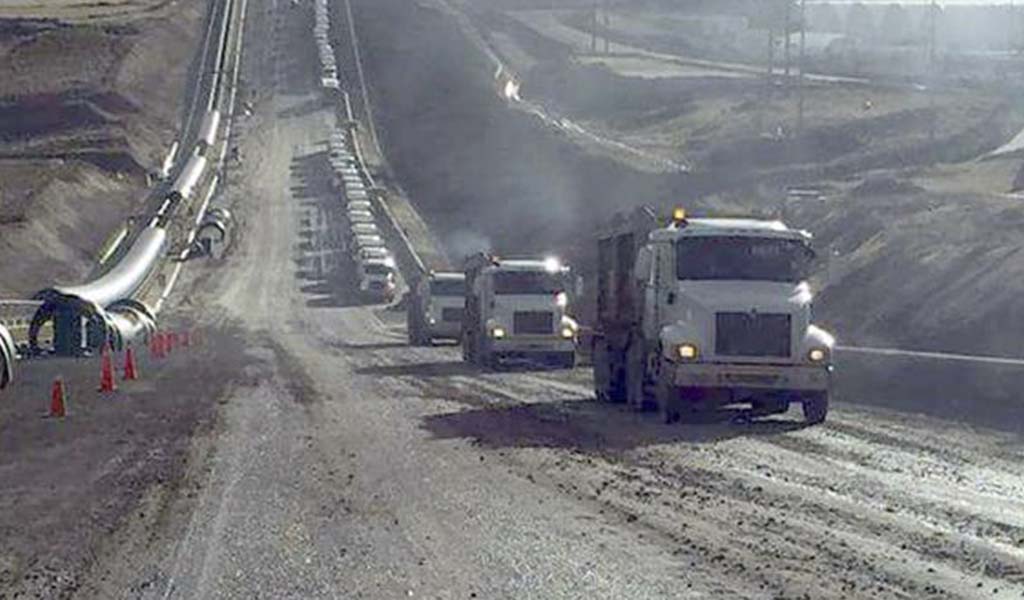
107, 373
131, 373
155, 349
58, 399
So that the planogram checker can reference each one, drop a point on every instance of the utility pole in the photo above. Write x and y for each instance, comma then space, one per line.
932, 17
803, 67
787, 26
607, 27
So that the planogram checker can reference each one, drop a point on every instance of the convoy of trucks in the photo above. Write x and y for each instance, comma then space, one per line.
691, 315
702, 313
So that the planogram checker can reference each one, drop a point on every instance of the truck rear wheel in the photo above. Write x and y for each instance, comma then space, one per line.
609, 374
636, 377
815, 407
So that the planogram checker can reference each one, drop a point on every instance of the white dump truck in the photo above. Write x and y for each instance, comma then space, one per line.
435, 306
703, 313
518, 309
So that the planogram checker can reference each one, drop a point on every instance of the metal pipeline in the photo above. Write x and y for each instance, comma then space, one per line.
8, 354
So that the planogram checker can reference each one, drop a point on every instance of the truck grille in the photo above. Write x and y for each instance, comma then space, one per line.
533, 322
451, 315
752, 334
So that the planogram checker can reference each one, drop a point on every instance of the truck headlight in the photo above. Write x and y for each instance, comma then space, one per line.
687, 351
817, 355
568, 332
498, 333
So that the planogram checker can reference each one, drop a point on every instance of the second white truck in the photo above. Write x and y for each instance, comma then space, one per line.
518, 310
435, 306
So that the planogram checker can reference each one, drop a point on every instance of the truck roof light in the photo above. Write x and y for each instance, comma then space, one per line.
679, 216
552, 264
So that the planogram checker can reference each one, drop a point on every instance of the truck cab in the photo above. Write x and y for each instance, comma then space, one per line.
518, 309
435, 308
704, 313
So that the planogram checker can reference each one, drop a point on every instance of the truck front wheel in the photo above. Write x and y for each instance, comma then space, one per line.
564, 360
669, 402
815, 408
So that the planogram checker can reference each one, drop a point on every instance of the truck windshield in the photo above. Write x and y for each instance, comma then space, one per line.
742, 258
527, 282
447, 288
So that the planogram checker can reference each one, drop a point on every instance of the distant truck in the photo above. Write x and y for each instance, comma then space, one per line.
703, 313
518, 309
435, 307
376, 279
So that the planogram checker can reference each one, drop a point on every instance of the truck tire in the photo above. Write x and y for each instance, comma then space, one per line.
413, 327
609, 374
815, 407
467, 352
668, 399
636, 376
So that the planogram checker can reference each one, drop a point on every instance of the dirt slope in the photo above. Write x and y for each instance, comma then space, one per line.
87, 109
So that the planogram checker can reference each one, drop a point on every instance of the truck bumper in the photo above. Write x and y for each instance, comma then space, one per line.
528, 345
755, 378
445, 330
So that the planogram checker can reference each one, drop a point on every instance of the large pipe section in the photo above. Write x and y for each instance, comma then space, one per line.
169, 160
129, 321
8, 353
124, 278
208, 132
82, 315
185, 184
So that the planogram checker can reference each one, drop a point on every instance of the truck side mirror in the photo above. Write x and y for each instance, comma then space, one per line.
671, 299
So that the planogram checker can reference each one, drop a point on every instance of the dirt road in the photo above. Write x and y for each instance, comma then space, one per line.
353, 465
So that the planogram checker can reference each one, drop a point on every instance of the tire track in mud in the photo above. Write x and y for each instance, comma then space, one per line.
853, 508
